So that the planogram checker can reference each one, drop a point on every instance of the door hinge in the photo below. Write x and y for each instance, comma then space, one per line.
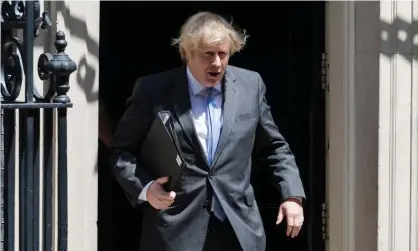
324, 216
324, 72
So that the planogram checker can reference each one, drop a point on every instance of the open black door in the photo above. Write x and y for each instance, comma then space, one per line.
285, 46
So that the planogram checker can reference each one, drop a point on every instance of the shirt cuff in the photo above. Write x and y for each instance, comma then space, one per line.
298, 199
143, 195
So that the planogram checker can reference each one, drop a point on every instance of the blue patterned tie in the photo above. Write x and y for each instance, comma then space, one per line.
212, 142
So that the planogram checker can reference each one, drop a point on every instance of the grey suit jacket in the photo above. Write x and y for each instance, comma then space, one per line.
248, 126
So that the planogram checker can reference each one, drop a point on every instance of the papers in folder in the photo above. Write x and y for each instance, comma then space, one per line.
160, 151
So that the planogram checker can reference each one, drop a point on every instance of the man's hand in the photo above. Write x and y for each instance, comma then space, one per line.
292, 209
157, 197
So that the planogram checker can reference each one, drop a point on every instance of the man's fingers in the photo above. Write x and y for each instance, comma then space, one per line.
164, 196
172, 195
295, 231
158, 197
161, 204
166, 203
161, 180
298, 221
290, 224
159, 192
294, 224
279, 216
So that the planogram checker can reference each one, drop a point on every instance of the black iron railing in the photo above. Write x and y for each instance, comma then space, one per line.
51, 109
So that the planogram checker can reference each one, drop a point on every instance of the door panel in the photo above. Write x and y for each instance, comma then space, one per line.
285, 45
287, 55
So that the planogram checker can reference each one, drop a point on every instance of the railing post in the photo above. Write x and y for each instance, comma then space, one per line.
61, 66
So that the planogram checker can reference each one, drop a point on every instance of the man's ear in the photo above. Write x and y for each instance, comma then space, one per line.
189, 54
186, 54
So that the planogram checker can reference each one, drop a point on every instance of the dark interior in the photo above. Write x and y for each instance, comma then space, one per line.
285, 46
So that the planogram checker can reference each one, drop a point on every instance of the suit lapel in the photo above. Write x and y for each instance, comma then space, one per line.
182, 109
229, 111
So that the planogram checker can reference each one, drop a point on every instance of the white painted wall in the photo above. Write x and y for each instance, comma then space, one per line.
80, 22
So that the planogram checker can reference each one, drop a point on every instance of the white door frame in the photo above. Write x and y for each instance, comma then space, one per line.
340, 114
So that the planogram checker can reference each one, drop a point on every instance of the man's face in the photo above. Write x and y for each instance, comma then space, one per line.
208, 62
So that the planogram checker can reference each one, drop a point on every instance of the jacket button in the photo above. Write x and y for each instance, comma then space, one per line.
210, 174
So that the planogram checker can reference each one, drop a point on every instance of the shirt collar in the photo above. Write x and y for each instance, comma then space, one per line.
195, 86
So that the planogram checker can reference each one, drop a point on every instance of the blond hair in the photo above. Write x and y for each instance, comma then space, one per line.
208, 28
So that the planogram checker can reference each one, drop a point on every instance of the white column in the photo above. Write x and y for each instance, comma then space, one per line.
398, 127
373, 125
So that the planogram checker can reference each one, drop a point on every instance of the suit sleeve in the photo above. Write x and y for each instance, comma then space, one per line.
126, 143
274, 151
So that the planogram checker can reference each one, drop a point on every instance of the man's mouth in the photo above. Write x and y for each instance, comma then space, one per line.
214, 74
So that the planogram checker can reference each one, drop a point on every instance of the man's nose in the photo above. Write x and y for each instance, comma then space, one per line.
217, 61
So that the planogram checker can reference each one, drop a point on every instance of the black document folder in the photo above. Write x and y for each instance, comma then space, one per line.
160, 152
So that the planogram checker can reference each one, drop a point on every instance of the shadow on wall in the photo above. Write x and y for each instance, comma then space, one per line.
400, 37
86, 74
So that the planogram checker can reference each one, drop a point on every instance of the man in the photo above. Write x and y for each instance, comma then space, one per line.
221, 118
